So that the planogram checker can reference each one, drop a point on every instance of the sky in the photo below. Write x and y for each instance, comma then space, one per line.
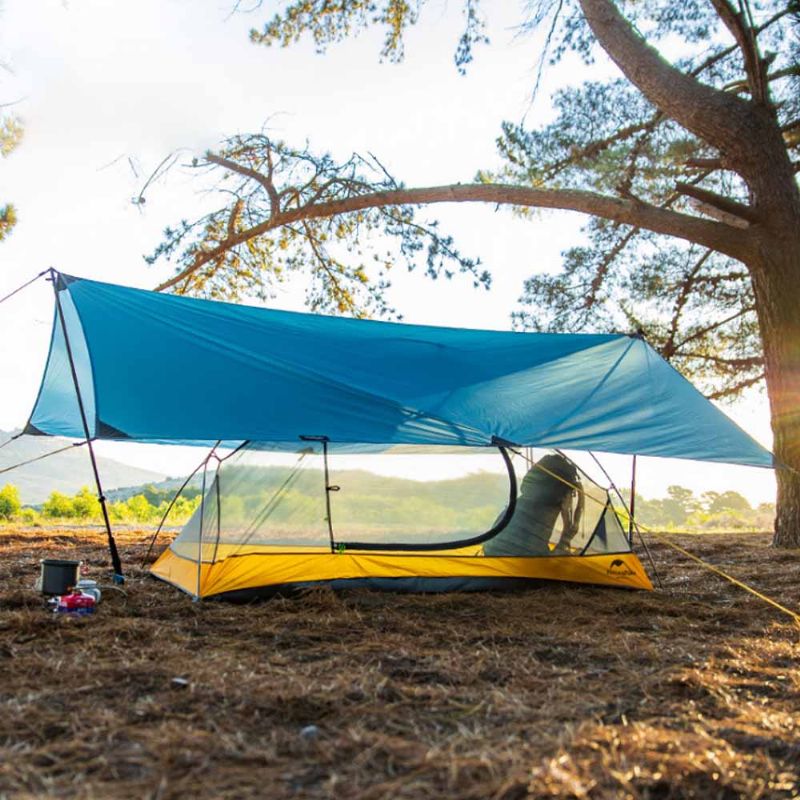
108, 90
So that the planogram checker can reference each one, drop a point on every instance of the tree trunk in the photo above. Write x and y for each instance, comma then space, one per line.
787, 518
776, 283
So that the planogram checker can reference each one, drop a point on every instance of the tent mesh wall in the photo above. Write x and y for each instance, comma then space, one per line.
375, 506
258, 501
255, 499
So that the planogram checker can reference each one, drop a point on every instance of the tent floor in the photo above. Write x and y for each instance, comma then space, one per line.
396, 585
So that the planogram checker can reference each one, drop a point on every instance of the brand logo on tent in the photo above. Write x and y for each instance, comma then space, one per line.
619, 567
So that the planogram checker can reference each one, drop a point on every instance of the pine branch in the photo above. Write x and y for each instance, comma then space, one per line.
698, 334
736, 388
651, 124
717, 201
263, 180
719, 118
668, 349
617, 249
743, 85
712, 164
734, 363
746, 40
707, 233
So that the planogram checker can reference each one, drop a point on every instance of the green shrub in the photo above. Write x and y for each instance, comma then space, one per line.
10, 503
58, 506
85, 505
140, 509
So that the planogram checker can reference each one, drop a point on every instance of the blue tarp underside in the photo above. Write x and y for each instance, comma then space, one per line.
162, 368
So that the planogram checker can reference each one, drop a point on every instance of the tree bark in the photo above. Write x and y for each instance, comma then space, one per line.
720, 118
776, 283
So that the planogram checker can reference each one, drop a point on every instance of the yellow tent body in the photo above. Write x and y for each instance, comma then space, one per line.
263, 528
264, 571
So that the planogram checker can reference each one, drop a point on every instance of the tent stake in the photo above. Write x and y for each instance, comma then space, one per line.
112, 545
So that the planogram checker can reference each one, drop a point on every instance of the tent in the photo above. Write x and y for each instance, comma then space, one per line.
128, 364
263, 528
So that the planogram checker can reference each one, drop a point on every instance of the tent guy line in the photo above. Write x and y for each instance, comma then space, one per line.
37, 458
25, 285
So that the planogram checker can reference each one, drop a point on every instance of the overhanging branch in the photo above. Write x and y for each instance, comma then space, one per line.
263, 180
714, 235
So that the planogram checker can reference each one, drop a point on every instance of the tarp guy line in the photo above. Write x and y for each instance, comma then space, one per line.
735, 581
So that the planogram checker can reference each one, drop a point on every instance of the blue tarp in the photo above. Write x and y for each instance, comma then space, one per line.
161, 368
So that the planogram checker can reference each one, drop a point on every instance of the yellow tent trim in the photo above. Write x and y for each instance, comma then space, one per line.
261, 568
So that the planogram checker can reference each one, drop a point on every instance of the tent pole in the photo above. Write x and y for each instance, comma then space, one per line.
112, 545
328, 487
217, 477
633, 501
200, 532
166, 514
328, 490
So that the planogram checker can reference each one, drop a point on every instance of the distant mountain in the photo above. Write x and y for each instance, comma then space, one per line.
361, 496
166, 488
65, 472
473, 489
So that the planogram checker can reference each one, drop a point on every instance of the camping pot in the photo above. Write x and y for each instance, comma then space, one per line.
59, 576
90, 587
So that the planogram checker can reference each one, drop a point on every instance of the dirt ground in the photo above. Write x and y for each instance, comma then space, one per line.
557, 691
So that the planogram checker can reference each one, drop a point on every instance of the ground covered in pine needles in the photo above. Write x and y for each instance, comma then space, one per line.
557, 691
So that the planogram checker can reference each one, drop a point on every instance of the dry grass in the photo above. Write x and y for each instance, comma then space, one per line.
559, 691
